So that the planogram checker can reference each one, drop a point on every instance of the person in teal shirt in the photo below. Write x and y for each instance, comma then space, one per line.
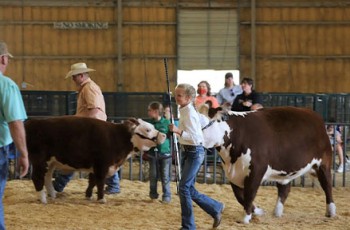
159, 156
12, 114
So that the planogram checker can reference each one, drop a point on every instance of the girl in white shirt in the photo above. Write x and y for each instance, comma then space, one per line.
191, 138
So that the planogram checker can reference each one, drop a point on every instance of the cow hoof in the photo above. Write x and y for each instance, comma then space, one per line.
258, 211
42, 196
52, 194
247, 219
102, 201
331, 210
278, 209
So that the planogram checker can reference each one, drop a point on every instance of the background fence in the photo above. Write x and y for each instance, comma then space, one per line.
332, 107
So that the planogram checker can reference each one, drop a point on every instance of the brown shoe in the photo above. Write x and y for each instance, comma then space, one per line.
217, 219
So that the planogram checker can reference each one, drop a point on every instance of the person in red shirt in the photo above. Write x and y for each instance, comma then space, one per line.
204, 95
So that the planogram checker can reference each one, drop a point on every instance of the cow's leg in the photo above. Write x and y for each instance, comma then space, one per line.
238, 192
91, 185
251, 186
38, 173
48, 181
324, 177
100, 183
283, 191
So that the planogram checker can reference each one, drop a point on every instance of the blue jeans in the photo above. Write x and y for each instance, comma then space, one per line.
191, 163
113, 185
160, 168
62, 180
4, 151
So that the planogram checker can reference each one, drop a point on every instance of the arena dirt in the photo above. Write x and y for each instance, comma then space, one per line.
132, 209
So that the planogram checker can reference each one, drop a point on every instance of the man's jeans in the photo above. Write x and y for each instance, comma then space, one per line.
62, 180
160, 168
191, 163
4, 151
113, 185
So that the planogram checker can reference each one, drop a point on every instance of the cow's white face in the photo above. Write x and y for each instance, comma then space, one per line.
145, 136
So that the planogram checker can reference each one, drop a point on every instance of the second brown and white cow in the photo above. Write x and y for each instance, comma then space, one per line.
74, 143
271, 144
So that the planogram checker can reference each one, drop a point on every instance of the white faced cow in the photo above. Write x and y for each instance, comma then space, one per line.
77, 143
272, 144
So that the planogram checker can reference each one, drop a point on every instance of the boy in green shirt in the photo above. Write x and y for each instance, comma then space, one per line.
159, 156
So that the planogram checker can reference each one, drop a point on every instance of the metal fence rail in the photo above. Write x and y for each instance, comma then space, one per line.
332, 107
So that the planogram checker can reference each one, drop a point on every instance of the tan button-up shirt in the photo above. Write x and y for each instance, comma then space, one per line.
90, 97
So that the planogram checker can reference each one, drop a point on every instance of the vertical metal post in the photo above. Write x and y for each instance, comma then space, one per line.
120, 77
253, 41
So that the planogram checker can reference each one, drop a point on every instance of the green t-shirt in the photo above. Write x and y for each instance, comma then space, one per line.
163, 126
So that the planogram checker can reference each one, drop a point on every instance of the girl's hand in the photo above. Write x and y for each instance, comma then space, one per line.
174, 129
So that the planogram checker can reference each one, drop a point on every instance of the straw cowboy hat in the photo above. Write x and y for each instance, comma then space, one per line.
78, 68
3, 49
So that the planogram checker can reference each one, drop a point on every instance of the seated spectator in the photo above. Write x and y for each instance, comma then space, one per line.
248, 99
227, 95
204, 95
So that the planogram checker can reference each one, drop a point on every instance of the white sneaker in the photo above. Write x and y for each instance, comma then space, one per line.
340, 168
347, 160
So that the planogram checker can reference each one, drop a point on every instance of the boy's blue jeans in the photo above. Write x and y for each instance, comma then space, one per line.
4, 151
160, 168
191, 163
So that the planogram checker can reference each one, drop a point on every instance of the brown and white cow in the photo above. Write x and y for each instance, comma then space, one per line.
74, 143
271, 144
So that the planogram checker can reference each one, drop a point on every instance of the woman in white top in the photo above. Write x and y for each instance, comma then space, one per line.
227, 95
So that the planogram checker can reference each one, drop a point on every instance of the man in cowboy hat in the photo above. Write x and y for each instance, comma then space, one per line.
90, 104
12, 114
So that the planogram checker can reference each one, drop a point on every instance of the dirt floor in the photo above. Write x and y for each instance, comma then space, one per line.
132, 209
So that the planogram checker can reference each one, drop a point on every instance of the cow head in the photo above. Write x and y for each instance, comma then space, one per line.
144, 135
216, 129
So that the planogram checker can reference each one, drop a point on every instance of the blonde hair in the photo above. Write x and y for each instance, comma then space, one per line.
189, 90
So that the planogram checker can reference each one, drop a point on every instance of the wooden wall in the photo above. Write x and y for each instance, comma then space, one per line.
300, 46
43, 54
149, 37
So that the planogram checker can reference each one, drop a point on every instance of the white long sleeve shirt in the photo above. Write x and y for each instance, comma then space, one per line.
190, 124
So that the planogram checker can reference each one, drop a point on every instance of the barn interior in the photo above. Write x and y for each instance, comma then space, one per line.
296, 52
